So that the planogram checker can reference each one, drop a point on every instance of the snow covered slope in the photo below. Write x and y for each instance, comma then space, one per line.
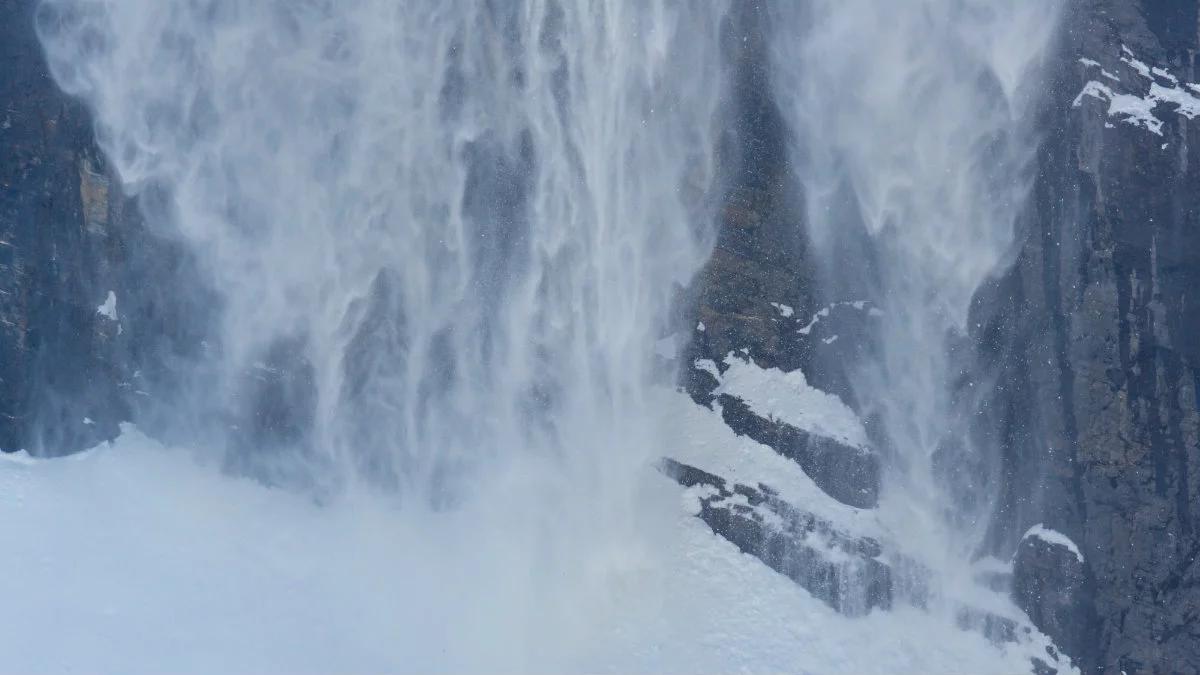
137, 558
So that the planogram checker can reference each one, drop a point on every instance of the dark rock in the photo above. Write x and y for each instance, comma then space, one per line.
841, 569
759, 266
1094, 331
848, 474
1050, 585
759, 253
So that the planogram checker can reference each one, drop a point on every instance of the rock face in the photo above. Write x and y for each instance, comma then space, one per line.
1092, 332
1095, 329
840, 568
1051, 586
755, 298
74, 364
56, 213
755, 302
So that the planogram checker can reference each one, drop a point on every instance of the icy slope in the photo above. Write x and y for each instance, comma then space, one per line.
136, 558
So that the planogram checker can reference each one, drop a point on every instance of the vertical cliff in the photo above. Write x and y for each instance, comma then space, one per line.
97, 310
58, 212
1101, 312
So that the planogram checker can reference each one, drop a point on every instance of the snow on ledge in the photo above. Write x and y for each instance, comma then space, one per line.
788, 398
1053, 537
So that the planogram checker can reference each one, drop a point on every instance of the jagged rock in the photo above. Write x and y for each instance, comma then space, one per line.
849, 475
1050, 586
1094, 331
839, 568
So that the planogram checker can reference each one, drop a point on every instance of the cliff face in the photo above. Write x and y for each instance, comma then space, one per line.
1096, 326
1090, 333
57, 235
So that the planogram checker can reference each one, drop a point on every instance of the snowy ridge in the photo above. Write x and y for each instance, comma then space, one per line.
698, 436
838, 568
1138, 109
1054, 537
788, 398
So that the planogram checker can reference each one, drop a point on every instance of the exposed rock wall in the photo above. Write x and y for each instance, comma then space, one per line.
56, 217
69, 237
1097, 333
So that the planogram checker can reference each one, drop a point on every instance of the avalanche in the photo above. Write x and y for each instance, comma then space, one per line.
138, 558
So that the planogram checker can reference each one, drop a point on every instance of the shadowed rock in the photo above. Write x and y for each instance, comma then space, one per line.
1049, 584
840, 569
848, 474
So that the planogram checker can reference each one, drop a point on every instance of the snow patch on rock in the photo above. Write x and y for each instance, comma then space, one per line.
1053, 537
1136, 108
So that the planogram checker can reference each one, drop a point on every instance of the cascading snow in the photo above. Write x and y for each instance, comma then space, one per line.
445, 236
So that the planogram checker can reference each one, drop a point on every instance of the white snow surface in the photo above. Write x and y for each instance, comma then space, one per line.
135, 558
109, 308
1138, 109
789, 398
1054, 537
786, 311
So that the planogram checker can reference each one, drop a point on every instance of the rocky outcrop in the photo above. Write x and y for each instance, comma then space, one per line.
1089, 338
1051, 586
92, 323
754, 304
1094, 329
1091, 333
842, 569
755, 297
847, 474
